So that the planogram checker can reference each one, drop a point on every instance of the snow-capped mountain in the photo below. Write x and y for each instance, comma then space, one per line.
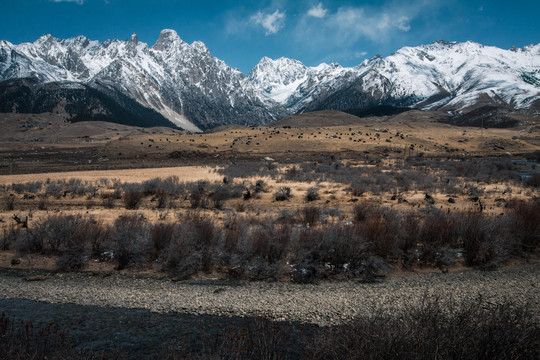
441, 75
175, 82
181, 82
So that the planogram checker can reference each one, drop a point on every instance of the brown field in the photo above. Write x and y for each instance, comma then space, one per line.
405, 156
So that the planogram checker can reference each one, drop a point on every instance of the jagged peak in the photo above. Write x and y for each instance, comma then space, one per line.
47, 38
167, 37
5, 43
133, 39
282, 61
199, 45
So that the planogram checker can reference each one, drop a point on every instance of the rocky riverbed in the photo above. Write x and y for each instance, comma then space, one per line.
111, 309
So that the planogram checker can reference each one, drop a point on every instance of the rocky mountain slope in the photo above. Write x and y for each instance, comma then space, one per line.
180, 82
438, 76
183, 84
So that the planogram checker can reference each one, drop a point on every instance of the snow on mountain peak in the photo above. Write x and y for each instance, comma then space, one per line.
188, 86
167, 38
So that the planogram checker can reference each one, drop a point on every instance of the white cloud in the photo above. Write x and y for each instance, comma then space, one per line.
317, 11
271, 22
403, 24
80, 2
350, 24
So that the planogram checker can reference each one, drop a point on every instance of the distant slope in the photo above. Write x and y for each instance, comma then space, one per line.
319, 119
79, 102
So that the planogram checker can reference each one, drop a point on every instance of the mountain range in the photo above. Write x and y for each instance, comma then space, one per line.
173, 83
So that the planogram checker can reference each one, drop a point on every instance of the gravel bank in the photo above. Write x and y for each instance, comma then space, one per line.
323, 304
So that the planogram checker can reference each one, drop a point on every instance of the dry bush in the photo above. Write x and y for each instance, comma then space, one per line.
108, 200
362, 210
312, 194
132, 199
408, 239
438, 231
232, 233
9, 202
310, 215
192, 247
218, 197
357, 188
162, 197
198, 199
43, 203
9, 237
524, 225
260, 186
47, 235
270, 244
20, 341
327, 251
131, 241
162, 236
380, 229
433, 329
283, 193
533, 180
479, 245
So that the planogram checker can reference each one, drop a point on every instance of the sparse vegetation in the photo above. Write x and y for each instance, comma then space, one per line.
283, 193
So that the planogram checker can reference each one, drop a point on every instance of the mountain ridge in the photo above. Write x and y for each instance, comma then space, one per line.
185, 85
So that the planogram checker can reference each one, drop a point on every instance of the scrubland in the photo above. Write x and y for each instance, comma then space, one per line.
314, 205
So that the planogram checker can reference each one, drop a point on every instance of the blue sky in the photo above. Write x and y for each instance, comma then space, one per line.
312, 31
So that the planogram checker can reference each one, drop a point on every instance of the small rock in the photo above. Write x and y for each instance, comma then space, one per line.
15, 261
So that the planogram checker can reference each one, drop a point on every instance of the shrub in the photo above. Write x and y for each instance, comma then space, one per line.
42, 203
22, 341
379, 229
270, 244
329, 251
191, 249
312, 194
9, 201
49, 234
133, 198
96, 235
197, 198
231, 233
533, 180
182, 258
357, 188
478, 246
524, 219
131, 240
472, 329
260, 186
218, 197
282, 194
162, 197
162, 236
310, 215
438, 231
362, 211
9, 237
